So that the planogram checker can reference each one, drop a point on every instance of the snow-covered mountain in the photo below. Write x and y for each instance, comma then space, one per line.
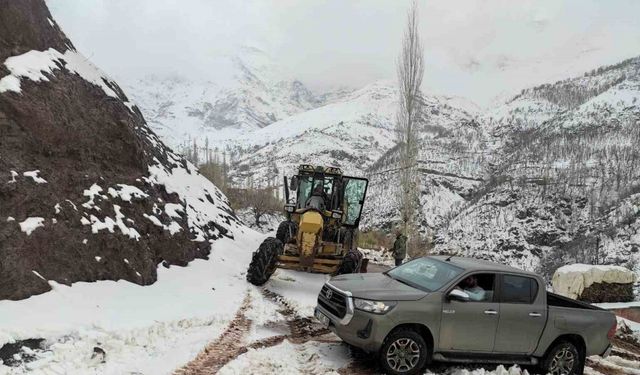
351, 133
569, 143
564, 177
258, 93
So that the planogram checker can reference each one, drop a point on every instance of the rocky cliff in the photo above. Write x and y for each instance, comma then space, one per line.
87, 191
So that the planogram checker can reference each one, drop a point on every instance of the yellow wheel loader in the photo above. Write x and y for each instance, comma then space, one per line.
320, 232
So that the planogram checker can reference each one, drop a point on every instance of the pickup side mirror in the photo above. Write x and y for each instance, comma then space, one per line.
293, 184
458, 295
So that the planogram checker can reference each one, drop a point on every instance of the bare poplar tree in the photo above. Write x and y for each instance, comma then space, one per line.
410, 70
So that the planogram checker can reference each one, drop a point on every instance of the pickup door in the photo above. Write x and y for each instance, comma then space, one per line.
471, 326
523, 314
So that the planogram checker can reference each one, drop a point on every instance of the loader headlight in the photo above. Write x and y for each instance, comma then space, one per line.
289, 208
336, 214
376, 307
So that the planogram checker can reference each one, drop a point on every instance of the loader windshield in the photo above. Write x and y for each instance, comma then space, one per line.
308, 184
355, 190
304, 189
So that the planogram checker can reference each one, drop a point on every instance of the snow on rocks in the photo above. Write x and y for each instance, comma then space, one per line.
92, 193
14, 174
199, 196
34, 175
30, 224
572, 280
126, 192
37, 65
173, 210
30, 65
109, 224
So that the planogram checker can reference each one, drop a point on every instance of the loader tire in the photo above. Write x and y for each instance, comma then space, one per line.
264, 261
286, 231
350, 263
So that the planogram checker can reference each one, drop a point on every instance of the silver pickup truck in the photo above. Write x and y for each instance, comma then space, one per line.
456, 309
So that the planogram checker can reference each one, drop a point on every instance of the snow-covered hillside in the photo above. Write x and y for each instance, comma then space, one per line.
351, 133
257, 93
451, 164
515, 182
565, 174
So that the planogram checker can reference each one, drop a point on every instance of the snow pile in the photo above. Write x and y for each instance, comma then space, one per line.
570, 281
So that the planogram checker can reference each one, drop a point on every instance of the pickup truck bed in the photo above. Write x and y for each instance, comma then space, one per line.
561, 301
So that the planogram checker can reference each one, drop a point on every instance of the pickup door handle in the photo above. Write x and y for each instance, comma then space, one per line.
535, 314
490, 312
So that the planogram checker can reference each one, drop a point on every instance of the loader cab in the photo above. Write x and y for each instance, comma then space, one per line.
343, 195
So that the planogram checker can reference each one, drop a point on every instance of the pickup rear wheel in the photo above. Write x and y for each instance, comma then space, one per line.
563, 359
404, 352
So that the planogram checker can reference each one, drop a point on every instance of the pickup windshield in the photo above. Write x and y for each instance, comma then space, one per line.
425, 273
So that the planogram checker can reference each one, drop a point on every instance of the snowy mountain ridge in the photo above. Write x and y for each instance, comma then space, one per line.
258, 93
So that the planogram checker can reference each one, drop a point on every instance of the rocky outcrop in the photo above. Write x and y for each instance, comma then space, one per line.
595, 284
87, 191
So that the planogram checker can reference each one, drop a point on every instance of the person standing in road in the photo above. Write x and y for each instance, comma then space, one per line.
399, 247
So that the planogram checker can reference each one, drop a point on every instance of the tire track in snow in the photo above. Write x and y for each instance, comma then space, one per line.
232, 343
302, 329
226, 348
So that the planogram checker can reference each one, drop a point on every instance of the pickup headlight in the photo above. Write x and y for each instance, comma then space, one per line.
376, 307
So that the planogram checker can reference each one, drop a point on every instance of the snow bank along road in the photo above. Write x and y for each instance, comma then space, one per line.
203, 319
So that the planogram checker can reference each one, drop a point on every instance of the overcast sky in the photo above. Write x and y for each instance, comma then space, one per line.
479, 49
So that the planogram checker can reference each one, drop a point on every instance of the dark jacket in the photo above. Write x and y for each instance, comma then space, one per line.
400, 247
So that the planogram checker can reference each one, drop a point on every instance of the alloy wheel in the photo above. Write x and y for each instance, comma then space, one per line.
563, 362
403, 355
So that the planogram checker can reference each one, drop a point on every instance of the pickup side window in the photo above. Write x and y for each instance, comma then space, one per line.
518, 289
479, 286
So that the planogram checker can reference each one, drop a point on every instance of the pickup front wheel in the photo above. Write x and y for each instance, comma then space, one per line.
404, 352
563, 359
